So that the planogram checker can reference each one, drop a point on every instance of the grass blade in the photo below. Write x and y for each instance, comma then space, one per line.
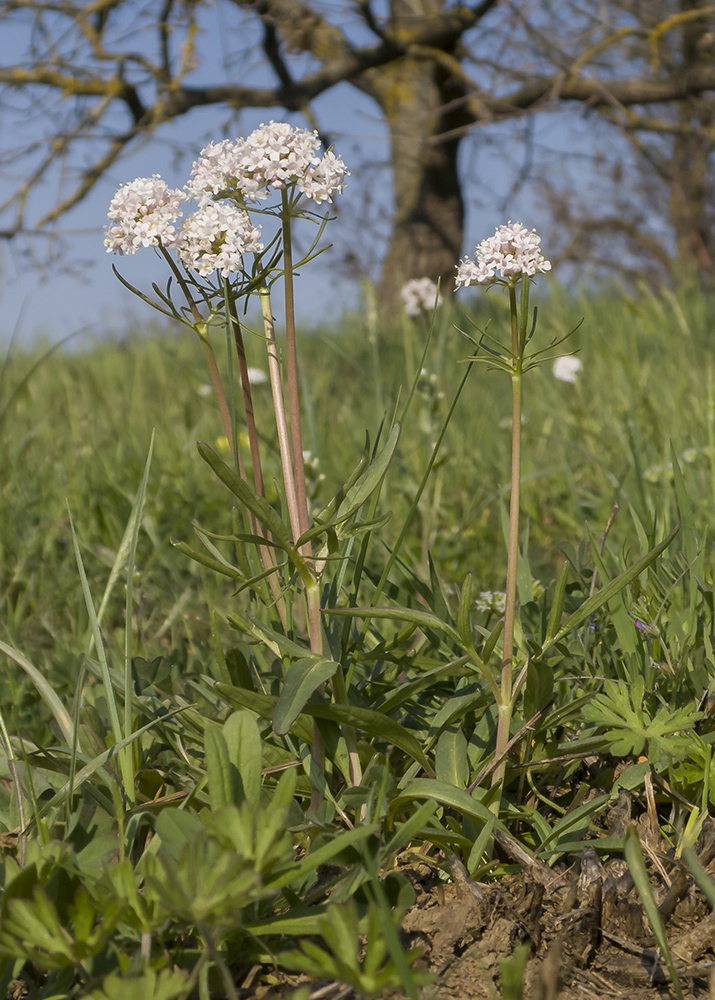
136, 518
127, 772
636, 866
47, 692
605, 594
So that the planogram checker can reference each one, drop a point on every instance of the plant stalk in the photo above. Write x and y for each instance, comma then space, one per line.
292, 369
506, 704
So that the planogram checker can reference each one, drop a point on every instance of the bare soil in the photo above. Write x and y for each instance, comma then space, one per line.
584, 925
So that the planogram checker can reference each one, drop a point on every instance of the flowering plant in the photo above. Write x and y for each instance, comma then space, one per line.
512, 257
420, 295
276, 173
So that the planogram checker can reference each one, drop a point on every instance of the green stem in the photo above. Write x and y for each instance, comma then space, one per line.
312, 591
506, 705
292, 368
315, 623
266, 554
274, 370
210, 357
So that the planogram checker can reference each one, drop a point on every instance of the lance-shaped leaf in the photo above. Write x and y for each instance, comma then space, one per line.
263, 705
444, 793
358, 493
374, 724
637, 868
604, 595
303, 678
421, 618
368, 483
221, 566
257, 505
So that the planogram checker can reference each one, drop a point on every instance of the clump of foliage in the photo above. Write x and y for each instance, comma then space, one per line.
215, 754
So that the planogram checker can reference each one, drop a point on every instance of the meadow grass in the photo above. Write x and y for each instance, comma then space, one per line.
79, 428
75, 428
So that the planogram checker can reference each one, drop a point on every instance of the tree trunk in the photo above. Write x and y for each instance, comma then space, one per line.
691, 174
421, 100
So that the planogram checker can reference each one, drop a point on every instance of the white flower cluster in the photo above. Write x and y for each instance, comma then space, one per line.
273, 157
568, 368
419, 294
217, 235
143, 212
491, 600
513, 250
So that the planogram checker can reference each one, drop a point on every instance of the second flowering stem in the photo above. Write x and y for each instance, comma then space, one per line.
509, 690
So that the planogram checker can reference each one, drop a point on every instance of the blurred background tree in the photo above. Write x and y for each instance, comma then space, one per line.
104, 76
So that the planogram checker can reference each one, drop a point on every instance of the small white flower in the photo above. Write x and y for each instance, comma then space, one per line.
215, 237
322, 181
568, 368
690, 455
256, 376
143, 212
419, 294
512, 250
211, 173
272, 158
491, 600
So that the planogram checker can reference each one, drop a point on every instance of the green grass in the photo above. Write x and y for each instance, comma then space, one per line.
79, 429
75, 429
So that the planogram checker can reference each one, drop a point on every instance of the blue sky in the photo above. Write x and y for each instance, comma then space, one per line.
80, 292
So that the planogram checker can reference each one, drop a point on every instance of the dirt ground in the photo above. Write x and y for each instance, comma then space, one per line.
588, 936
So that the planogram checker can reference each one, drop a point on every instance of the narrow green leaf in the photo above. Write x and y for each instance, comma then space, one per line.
539, 687
604, 595
376, 471
637, 868
451, 764
277, 642
407, 831
374, 724
464, 623
47, 692
263, 705
127, 759
303, 678
403, 692
333, 506
617, 607
703, 880
490, 644
98, 644
438, 602
204, 559
311, 861
557, 606
257, 505
218, 767
446, 795
573, 818
422, 618
297, 923
243, 741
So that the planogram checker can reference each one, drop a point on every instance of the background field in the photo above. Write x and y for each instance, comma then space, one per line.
75, 427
